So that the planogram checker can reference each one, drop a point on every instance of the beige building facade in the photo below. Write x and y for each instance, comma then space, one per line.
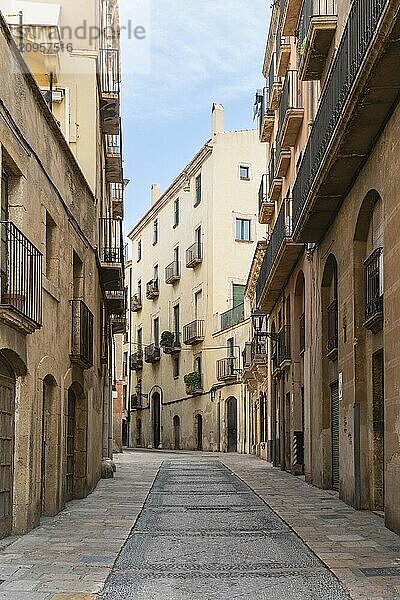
190, 256
62, 289
327, 279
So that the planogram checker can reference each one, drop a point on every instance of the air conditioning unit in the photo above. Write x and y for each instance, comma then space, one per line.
57, 95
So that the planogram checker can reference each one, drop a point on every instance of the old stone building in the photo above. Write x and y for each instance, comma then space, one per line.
62, 291
328, 277
190, 256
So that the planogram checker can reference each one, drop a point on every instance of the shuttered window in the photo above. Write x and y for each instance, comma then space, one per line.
238, 295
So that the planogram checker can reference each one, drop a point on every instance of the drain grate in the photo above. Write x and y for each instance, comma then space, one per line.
381, 572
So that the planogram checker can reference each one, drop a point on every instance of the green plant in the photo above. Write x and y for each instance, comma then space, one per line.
167, 339
192, 380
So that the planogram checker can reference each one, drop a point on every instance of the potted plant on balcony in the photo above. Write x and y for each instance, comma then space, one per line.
192, 382
167, 341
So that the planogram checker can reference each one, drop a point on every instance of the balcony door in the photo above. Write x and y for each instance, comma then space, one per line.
7, 403
198, 306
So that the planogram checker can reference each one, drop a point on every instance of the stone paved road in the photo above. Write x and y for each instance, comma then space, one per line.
204, 535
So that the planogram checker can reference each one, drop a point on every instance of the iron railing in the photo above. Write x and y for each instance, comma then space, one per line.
262, 192
111, 246
152, 353
172, 272
82, 334
194, 254
136, 361
136, 302
174, 345
333, 327
271, 168
259, 347
373, 270
21, 273
291, 97
117, 192
284, 344
272, 77
302, 333
113, 144
110, 70
314, 8
152, 289
282, 230
358, 33
226, 368
193, 332
232, 317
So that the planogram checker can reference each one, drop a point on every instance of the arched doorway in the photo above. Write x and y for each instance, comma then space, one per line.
156, 402
177, 432
7, 419
48, 499
231, 410
76, 444
199, 432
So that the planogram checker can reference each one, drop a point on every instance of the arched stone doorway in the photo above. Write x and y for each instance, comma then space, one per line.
199, 432
231, 418
156, 409
177, 432
7, 428
76, 444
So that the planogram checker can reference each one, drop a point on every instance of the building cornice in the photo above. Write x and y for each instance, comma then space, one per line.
189, 171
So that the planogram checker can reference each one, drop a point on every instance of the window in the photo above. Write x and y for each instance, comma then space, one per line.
155, 274
198, 189
156, 331
176, 255
230, 345
139, 290
77, 276
139, 250
124, 390
125, 365
238, 294
176, 212
51, 253
244, 173
175, 365
4, 196
176, 322
243, 230
155, 232
197, 234
140, 341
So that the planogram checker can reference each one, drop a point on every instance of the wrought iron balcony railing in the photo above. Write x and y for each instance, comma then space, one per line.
136, 361
152, 353
259, 347
373, 270
136, 303
227, 368
194, 255
174, 344
359, 31
333, 329
173, 272
291, 109
232, 317
193, 333
20, 274
110, 70
152, 289
111, 246
82, 335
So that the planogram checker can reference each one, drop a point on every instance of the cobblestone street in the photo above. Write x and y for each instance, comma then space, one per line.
208, 526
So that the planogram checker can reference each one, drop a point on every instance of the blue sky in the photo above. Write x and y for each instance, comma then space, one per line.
195, 53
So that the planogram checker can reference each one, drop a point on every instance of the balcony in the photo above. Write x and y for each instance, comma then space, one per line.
316, 33
266, 116
111, 254
291, 111
136, 361
246, 358
274, 86
193, 333
266, 209
283, 157
359, 95
227, 369
373, 269
116, 301
110, 77
194, 384
152, 289
275, 182
114, 171
136, 401
290, 13
136, 303
283, 50
333, 330
280, 257
194, 255
118, 324
283, 347
171, 342
117, 200
152, 354
21, 280
82, 335
172, 273
232, 317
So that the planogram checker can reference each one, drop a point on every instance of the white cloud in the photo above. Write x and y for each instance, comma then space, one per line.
200, 50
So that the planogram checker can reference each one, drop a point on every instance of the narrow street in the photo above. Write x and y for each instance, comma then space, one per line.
176, 525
